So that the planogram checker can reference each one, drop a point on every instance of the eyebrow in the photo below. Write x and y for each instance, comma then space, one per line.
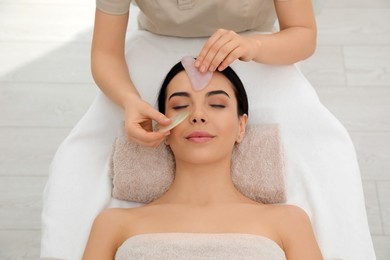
179, 94
211, 93
217, 92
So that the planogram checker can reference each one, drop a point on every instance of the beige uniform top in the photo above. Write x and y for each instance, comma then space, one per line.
196, 18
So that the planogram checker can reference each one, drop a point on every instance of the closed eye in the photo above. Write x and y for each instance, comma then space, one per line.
179, 107
217, 105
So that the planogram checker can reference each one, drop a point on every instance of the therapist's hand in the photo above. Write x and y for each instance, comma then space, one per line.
138, 122
223, 48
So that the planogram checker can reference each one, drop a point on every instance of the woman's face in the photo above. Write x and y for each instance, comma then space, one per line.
213, 126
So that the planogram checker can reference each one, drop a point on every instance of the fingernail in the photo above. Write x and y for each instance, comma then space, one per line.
197, 63
212, 68
203, 68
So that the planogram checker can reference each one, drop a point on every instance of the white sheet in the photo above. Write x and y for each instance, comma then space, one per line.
322, 172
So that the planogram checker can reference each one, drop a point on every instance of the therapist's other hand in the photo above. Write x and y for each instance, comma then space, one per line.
138, 122
223, 48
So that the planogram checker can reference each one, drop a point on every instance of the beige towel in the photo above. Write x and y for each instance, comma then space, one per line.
199, 246
143, 174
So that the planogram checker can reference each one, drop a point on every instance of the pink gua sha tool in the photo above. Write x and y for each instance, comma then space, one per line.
198, 80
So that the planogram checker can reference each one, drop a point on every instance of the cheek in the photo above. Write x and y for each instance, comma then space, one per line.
229, 126
176, 134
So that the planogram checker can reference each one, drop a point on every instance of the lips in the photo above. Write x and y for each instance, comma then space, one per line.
200, 137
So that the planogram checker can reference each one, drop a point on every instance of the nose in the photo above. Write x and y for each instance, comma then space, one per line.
196, 120
198, 117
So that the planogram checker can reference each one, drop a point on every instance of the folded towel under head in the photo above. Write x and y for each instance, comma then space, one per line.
143, 174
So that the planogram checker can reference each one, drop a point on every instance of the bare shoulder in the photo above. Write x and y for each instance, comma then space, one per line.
117, 217
106, 235
108, 216
284, 218
289, 218
293, 214
109, 222
116, 222
295, 228
289, 213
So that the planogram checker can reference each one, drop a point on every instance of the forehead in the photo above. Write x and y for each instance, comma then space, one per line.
181, 82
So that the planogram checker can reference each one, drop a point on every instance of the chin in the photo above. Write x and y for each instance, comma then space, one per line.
200, 156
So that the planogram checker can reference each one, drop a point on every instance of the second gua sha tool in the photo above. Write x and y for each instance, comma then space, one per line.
175, 121
198, 80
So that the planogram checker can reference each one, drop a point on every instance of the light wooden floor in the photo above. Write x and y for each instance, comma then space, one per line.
45, 87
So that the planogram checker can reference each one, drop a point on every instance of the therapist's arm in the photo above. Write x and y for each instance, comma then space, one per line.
297, 38
110, 72
108, 62
295, 41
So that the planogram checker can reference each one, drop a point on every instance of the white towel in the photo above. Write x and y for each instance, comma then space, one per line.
322, 174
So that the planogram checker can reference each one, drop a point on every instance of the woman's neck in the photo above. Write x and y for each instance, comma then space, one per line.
203, 184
